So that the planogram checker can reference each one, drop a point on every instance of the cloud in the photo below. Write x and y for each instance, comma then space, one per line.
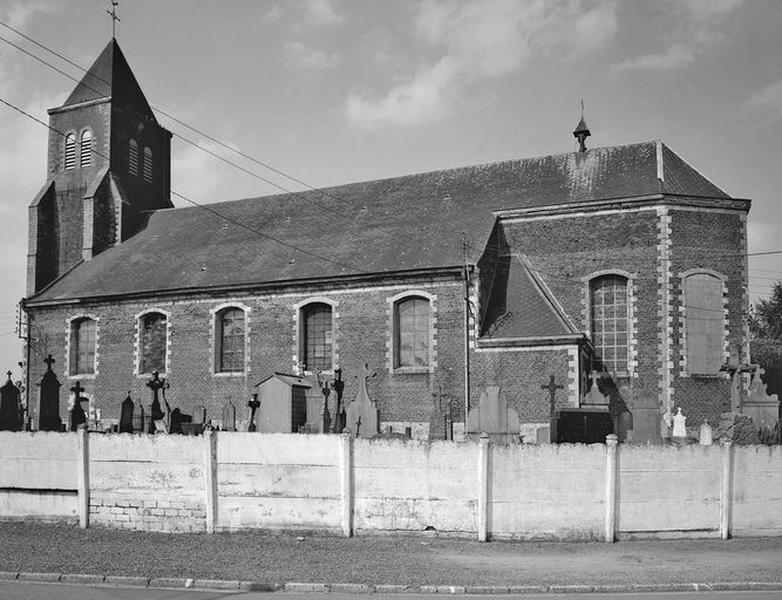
19, 14
479, 40
320, 13
769, 97
301, 55
690, 28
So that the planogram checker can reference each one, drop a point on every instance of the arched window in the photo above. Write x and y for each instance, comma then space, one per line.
229, 340
152, 340
82, 346
133, 157
316, 337
85, 149
412, 320
70, 151
147, 164
609, 322
704, 323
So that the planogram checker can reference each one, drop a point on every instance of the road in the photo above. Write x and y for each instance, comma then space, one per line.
42, 591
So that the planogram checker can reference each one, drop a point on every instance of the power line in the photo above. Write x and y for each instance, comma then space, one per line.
210, 210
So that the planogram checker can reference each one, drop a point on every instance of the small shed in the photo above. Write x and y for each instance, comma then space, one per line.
283, 403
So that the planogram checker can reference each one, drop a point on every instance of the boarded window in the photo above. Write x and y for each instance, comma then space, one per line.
413, 317
230, 340
70, 151
152, 343
85, 152
316, 337
133, 157
83, 336
147, 164
704, 323
609, 320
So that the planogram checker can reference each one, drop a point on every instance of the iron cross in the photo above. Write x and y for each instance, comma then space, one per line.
552, 388
114, 18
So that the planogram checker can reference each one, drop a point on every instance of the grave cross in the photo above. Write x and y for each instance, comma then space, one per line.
156, 384
339, 387
78, 416
49, 361
552, 388
253, 405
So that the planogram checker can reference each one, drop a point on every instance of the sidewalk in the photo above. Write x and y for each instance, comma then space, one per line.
420, 562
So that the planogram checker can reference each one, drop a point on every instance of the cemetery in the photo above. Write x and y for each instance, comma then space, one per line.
323, 465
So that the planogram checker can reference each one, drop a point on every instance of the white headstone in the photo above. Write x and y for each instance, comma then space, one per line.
706, 437
679, 424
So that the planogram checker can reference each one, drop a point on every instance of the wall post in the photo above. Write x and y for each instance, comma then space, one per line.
610, 524
483, 488
210, 477
726, 490
346, 482
83, 477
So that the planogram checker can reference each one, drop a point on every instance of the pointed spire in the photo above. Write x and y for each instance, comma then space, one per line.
581, 132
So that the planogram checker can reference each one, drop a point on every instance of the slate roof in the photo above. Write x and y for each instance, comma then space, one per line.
110, 76
530, 310
400, 224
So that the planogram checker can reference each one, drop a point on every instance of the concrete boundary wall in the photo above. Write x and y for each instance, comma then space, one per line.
332, 484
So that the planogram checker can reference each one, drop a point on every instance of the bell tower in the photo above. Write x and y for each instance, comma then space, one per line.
109, 164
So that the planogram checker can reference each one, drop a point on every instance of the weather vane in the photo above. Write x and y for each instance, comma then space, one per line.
114, 18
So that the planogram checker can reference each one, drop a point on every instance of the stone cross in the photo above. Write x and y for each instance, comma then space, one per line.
338, 422
156, 413
552, 388
324, 413
78, 416
49, 362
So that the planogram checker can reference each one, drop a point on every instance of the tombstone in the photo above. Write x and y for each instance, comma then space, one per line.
679, 433
229, 417
594, 397
646, 420
494, 417
362, 414
10, 407
253, 405
155, 413
126, 415
49, 399
339, 418
139, 418
199, 414
705, 438
759, 406
77, 416
325, 415
283, 407
666, 424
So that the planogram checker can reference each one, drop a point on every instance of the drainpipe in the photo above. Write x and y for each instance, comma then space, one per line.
466, 345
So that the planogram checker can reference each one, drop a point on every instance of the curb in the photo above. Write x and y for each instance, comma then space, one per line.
230, 585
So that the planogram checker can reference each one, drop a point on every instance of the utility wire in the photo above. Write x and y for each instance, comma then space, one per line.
202, 206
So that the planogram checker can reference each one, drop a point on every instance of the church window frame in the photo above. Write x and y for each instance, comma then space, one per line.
148, 164
82, 346
316, 349
426, 333
133, 162
703, 322
230, 350
145, 343
86, 141
69, 155
609, 314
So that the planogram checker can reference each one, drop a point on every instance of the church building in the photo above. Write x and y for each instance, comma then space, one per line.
623, 261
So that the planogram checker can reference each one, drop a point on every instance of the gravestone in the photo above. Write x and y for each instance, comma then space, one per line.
10, 407
679, 433
362, 414
738, 429
759, 406
156, 412
77, 416
325, 415
178, 420
254, 404
229, 417
126, 415
646, 420
594, 397
49, 399
139, 418
705, 438
339, 418
494, 417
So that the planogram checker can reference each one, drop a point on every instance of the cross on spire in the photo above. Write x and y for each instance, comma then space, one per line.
114, 18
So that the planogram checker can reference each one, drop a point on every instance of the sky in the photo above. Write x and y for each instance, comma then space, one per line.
335, 91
